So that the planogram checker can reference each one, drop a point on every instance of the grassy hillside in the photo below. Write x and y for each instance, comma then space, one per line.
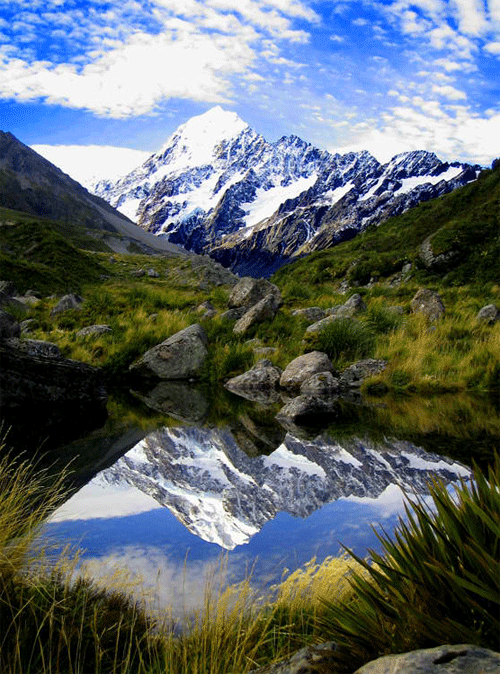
44, 255
463, 226
456, 354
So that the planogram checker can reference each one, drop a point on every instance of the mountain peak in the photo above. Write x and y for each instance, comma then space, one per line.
209, 129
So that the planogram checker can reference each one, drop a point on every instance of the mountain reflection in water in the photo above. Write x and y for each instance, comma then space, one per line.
184, 494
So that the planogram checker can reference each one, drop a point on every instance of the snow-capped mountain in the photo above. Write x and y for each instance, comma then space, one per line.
225, 496
220, 188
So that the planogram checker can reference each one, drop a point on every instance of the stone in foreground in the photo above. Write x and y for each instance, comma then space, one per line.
462, 659
181, 356
303, 367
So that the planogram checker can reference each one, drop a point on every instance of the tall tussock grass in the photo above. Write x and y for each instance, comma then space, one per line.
49, 623
436, 581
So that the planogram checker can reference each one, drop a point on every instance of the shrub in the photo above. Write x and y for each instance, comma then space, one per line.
345, 339
437, 580
383, 319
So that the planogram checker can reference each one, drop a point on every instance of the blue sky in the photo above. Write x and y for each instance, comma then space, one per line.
386, 76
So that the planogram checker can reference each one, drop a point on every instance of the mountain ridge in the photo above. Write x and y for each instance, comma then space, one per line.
254, 205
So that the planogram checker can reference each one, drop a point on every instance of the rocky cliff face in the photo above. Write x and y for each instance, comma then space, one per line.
218, 187
225, 496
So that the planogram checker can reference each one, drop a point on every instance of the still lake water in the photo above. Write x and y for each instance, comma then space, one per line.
194, 489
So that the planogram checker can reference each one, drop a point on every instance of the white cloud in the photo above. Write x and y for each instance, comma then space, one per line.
89, 163
120, 67
447, 91
456, 134
492, 48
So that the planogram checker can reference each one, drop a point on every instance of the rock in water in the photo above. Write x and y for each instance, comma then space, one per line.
181, 356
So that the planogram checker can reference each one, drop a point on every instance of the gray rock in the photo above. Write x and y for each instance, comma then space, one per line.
28, 300
489, 314
461, 659
303, 367
311, 314
28, 325
354, 305
34, 381
331, 311
233, 314
355, 374
94, 330
181, 356
263, 376
322, 384
66, 303
34, 347
428, 303
265, 310
310, 660
152, 273
305, 407
249, 291
205, 306
9, 327
321, 325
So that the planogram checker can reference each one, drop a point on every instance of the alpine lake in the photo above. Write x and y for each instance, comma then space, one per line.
183, 487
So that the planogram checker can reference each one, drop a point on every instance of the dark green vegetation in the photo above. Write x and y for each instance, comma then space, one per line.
46, 255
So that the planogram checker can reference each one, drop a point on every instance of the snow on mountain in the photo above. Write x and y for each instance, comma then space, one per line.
225, 496
220, 188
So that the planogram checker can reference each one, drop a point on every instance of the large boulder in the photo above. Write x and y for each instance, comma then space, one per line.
354, 305
34, 347
429, 303
181, 356
265, 310
249, 291
462, 659
303, 367
44, 396
260, 383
